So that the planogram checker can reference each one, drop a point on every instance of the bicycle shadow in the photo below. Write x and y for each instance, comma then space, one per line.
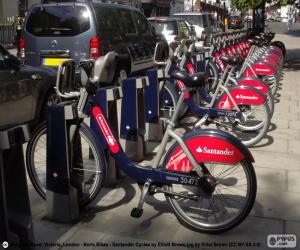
230, 201
113, 201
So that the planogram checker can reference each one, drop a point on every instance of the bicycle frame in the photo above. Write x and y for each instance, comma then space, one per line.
146, 173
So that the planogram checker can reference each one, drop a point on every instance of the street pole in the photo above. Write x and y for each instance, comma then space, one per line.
192, 5
224, 21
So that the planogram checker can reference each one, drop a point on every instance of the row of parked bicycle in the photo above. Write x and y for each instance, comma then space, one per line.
242, 75
207, 175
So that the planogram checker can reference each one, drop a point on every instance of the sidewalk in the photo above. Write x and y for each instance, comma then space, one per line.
277, 208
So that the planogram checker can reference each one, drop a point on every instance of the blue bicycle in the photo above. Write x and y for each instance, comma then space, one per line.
207, 175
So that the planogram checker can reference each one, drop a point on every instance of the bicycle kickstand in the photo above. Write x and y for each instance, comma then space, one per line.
137, 212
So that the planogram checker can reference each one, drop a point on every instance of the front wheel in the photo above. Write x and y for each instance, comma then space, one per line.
229, 204
87, 171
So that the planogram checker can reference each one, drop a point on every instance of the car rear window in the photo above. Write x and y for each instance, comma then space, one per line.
60, 20
193, 19
165, 27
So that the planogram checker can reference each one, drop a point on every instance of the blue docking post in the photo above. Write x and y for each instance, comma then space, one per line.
61, 196
16, 227
153, 126
132, 126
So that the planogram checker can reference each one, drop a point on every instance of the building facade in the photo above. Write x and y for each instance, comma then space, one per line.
9, 8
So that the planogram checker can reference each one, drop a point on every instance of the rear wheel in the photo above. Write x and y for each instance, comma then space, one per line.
229, 204
86, 174
253, 126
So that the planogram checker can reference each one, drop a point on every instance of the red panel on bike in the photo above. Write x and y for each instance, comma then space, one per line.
259, 69
241, 96
190, 68
204, 149
263, 69
106, 132
181, 86
255, 84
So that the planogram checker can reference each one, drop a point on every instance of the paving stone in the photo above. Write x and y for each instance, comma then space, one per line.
285, 133
279, 205
294, 124
285, 116
82, 239
293, 181
47, 232
294, 147
292, 227
267, 159
266, 177
252, 230
280, 123
295, 109
118, 242
269, 144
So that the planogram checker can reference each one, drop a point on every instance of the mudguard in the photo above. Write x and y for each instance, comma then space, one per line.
260, 69
255, 83
207, 146
242, 95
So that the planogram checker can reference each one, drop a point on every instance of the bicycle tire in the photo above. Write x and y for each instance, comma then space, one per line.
38, 178
168, 99
184, 209
212, 76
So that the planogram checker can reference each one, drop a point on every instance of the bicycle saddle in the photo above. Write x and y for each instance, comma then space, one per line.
195, 80
234, 61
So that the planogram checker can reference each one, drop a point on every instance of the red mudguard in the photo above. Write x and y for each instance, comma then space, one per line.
255, 83
207, 146
260, 69
242, 95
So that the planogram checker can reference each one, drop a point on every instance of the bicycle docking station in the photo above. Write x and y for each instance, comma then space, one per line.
61, 196
108, 99
153, 125
16, 225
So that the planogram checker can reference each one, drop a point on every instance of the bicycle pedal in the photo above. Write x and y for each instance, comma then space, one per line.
136, 212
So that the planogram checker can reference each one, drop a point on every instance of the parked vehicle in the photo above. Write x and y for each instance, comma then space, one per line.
172, 29
25, 91
202, 23
55, 32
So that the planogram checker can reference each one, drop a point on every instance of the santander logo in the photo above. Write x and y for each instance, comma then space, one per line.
106, 132
206, 150
262, 70
246, 97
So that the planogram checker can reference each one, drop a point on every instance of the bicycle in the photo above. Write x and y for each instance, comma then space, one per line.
246, 113
207, 175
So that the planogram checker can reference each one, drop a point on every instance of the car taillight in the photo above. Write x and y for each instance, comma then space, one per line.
22, 49
95, 47
203, 35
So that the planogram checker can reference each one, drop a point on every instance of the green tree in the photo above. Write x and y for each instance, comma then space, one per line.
250, 4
